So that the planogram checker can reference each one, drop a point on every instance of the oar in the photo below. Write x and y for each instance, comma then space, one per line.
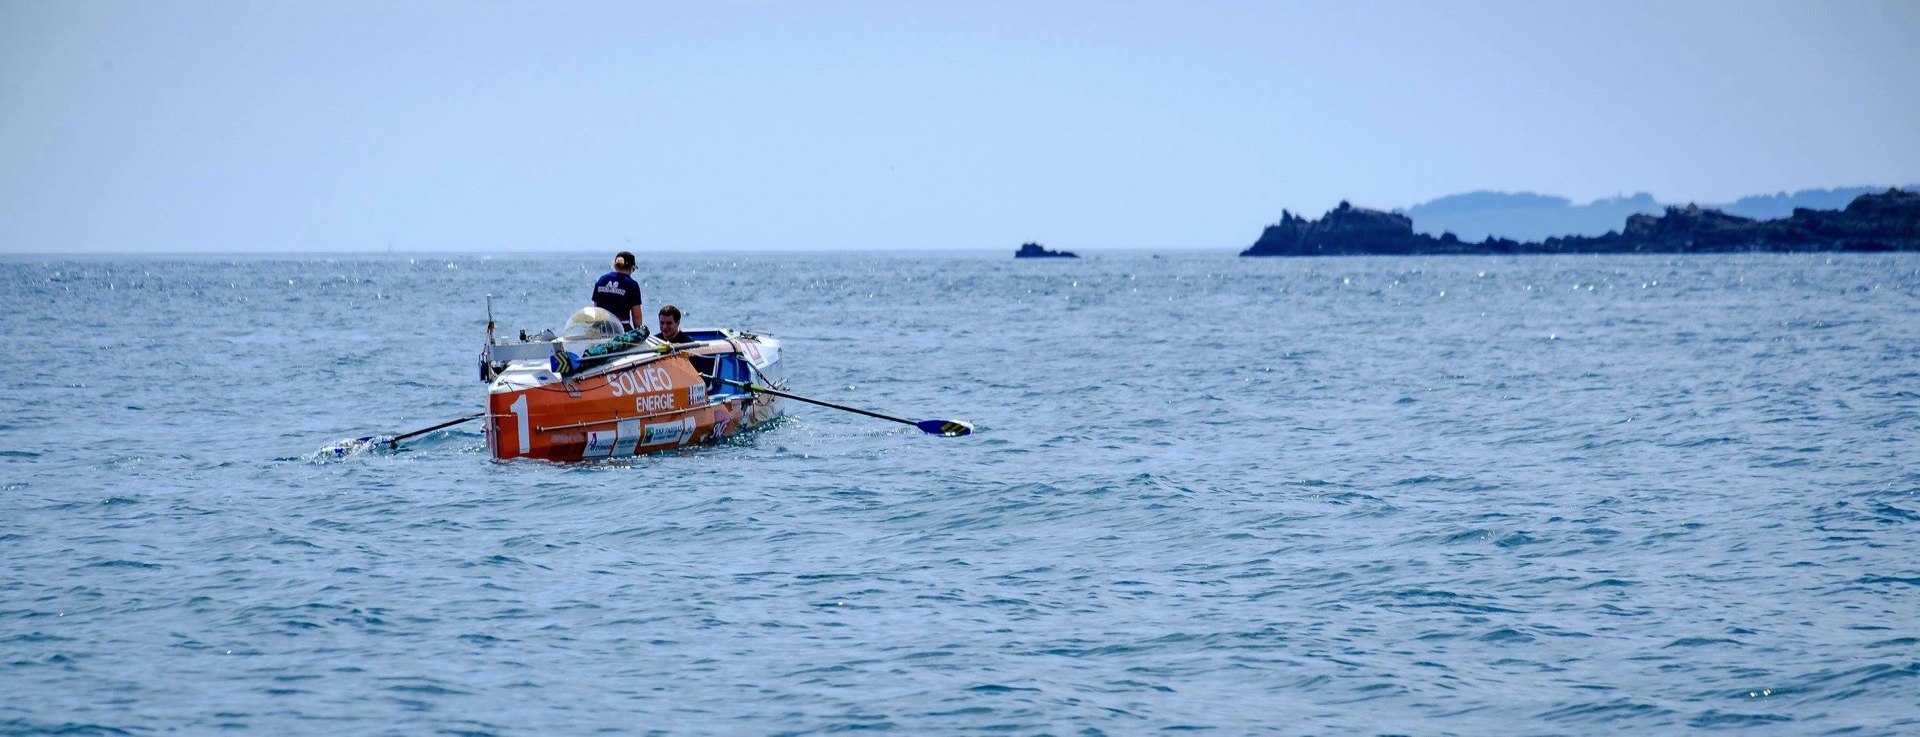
347, 447
395, 440
943, 428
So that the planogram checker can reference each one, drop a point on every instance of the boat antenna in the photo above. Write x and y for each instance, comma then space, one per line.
489, 318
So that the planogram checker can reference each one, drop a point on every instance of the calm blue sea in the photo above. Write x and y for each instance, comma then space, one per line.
1502, 495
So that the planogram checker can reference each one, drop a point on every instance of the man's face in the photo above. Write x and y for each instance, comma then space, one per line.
669, 324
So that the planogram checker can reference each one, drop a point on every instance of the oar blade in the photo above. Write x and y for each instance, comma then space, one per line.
944, 428
357, 446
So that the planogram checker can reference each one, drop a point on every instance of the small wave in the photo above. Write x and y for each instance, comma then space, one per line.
1514, 540
1700, 641
1888, 511
77, 729
1605, 711
1716, 719
995, 688
1904, 580
1424, 480
32, 637
1469, 536
1704, 442
1852, 683
429, 689
1506, 635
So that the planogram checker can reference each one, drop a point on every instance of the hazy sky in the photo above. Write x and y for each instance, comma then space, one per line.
507, 126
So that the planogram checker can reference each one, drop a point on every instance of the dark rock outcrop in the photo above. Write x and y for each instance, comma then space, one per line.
1034, 250
1344, 230
1889, 221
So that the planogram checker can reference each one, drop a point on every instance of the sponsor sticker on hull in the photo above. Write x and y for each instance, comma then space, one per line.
662, 434
599, 444
626, 437
676, 432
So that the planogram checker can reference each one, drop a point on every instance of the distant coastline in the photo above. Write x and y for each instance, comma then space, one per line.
1527, 216
1888, 221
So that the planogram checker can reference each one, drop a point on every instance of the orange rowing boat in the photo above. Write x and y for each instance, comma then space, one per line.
593, 392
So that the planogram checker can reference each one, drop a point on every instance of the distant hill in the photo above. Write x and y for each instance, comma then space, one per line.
1526, 216
1772, 206
1888, 221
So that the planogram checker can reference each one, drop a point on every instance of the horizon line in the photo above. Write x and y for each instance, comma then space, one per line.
571, 253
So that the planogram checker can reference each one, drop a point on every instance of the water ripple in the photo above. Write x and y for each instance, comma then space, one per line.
1309, 496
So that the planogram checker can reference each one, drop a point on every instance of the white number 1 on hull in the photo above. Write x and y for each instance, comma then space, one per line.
519, 409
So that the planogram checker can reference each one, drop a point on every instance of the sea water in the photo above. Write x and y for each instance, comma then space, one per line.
1466, 495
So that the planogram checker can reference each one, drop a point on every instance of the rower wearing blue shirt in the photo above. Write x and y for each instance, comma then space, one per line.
619, 294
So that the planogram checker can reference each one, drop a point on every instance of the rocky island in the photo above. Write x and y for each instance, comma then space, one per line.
1889, 221
1034, 250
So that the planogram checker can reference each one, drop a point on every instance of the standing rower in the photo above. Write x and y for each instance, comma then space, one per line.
619, 294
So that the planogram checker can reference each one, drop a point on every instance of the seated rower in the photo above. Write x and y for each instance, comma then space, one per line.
670, 326
670, 332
